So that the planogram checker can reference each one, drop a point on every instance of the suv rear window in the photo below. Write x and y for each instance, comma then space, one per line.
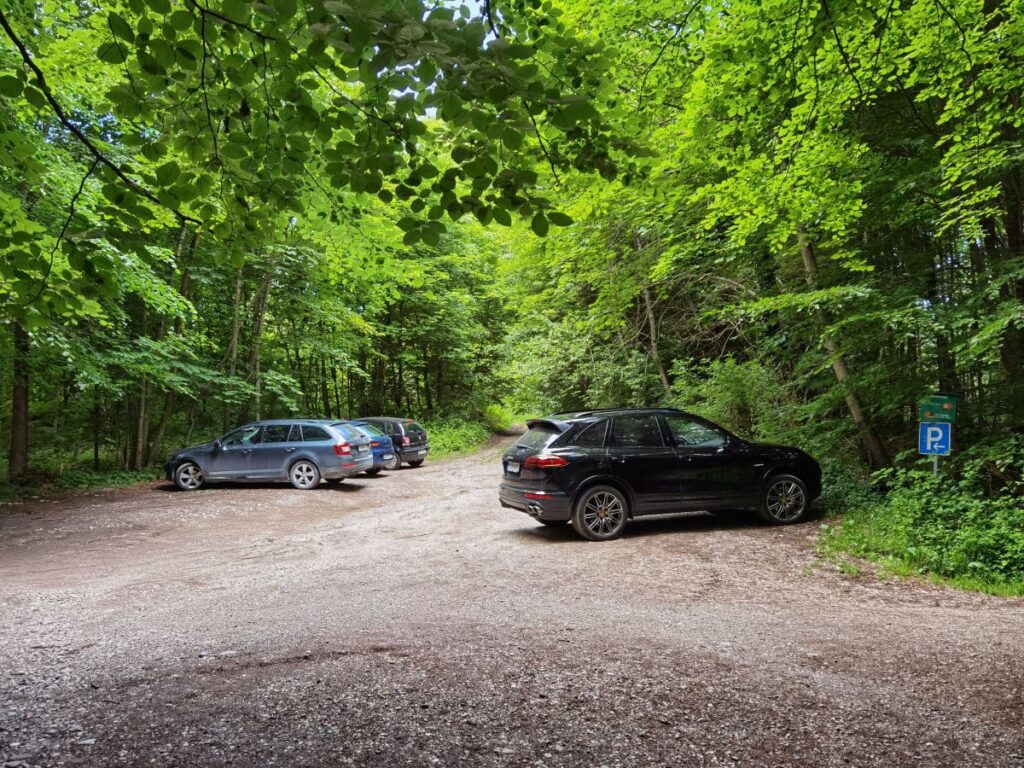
538, 437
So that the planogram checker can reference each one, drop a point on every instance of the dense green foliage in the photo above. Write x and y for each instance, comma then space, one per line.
797, 219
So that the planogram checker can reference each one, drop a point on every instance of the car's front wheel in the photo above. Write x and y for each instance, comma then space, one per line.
189, 477
600, 513
304, 475
784, 500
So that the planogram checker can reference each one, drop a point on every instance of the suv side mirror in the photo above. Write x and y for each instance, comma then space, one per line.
217, 444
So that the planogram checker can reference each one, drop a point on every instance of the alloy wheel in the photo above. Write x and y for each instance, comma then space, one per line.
603, 514
304, 475
785, 501
190, 477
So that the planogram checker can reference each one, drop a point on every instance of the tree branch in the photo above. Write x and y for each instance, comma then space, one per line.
74, 129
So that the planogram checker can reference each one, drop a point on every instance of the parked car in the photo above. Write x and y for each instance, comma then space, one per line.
599, 469
408, 437
380, 445
301, 451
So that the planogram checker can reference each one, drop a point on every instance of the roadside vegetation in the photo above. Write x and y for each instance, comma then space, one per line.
219, 211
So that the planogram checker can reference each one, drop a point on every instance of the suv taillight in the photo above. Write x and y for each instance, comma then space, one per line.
405, 440
545, 462
343, 449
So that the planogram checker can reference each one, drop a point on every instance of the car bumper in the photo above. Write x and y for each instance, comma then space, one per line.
348, 469
413, 453
541, 504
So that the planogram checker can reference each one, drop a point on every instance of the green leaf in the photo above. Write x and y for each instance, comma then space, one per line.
559, 219
112, 53
119, 27
10, 86
167, 173
160, 6
411, 237
539, 225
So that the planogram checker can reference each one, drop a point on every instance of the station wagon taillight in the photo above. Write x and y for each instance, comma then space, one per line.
545, 462
405, 440
343, 449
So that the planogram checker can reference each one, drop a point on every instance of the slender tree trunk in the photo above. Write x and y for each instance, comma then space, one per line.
878, 456
652, 330
96, 425
17, 456
233, 343
141, 427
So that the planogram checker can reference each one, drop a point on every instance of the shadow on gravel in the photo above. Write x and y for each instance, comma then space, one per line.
699, 522
350, 485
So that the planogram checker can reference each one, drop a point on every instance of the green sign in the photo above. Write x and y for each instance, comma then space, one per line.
937, 408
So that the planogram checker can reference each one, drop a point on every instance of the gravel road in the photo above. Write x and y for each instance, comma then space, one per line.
409, 620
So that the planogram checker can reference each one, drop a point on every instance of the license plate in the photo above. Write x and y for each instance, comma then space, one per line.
362, 448
420, 452
388, 456
512, 467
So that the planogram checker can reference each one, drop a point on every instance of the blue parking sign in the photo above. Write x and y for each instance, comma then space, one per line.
934, 438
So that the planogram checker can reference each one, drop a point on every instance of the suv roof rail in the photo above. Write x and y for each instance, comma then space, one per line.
598, 411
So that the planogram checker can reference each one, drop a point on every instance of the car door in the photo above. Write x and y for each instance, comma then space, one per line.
236, 455
712, 469
277, 448
639, 455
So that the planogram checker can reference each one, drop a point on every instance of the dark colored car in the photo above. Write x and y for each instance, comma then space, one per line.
408, 437
598, 469
380, 445
299, 450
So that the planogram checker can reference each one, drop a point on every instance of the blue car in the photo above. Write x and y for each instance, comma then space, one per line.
383, 449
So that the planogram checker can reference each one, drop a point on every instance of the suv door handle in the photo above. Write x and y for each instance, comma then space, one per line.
288, 450
247, 450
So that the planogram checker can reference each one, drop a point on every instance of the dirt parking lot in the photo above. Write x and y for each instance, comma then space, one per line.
409, 620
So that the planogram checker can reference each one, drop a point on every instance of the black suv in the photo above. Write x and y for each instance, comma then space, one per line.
409, 439
600, 468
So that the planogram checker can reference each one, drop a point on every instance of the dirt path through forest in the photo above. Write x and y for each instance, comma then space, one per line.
409, 620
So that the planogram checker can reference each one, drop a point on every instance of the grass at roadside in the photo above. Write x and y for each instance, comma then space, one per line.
975, 552
73, 480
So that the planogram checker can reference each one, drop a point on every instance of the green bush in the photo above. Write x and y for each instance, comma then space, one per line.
451, 436
966, 525
497, 418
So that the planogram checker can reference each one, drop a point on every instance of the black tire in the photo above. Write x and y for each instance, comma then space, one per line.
600, 513
304, 475
417, 463
374, 472
784, 500
553, 523
189, 477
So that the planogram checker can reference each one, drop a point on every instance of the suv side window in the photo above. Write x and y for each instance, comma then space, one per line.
592, 436
637, 432
692, 434
311, 434
242, 436
276, 433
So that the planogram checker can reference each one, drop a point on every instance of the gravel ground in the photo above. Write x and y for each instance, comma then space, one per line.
409, 620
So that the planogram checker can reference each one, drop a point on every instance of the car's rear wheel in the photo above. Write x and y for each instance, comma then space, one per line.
304, 475
600, 513
374, 471
417, 463
393, 464
189, 477
784, 500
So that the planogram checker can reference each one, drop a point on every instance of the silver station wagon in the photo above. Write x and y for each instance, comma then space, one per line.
302, 451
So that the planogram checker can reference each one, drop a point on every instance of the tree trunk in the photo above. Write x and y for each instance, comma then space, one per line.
878, 456
96, 423
17, 456
233, 344
141, 427
652, 330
